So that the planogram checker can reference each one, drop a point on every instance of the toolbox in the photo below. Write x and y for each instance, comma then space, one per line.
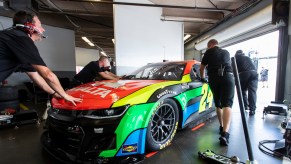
6, 121
25, 117
19, 118
276, 108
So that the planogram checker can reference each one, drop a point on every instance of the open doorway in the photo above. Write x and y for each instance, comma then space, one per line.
263, 50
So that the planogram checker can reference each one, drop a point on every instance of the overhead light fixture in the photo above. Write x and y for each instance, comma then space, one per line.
186, 37
188, 19
103, 53
113, 40
88, 41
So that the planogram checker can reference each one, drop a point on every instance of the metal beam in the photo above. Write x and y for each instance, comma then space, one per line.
152, 5
75, 13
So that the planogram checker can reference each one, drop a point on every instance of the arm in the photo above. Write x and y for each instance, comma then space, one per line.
107, 75
202, 67
51, 79
42, 83
112, 74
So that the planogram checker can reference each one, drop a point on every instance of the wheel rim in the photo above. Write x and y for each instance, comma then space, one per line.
163, 123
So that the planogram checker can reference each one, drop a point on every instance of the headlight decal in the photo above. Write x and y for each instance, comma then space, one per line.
104, 113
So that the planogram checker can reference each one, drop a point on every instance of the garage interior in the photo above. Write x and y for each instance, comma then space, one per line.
104, 23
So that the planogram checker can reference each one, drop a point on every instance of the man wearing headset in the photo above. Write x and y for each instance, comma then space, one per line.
18, 52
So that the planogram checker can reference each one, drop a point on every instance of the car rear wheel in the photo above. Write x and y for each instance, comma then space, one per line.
162, 126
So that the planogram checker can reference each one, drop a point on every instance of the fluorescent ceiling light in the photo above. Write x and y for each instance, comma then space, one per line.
186, 37
91, 44
88, 41
85, 39
188, 19
103, 53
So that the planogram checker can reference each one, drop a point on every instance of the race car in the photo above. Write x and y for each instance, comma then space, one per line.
118, 119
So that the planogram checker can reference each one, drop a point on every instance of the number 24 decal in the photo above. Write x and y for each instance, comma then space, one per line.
207, 98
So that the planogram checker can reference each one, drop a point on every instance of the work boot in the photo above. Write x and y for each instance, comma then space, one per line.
224, 139
252, 112
220, 130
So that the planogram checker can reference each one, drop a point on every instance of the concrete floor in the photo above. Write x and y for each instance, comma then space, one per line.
22, 144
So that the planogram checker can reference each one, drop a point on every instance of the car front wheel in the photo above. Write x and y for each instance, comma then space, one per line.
163, 125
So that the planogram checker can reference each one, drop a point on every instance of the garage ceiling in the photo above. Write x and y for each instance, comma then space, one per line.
94, 18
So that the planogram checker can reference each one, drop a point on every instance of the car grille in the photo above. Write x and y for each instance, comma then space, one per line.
78, 141
70, 142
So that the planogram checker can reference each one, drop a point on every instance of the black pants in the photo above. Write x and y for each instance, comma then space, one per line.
249, 85
222, 89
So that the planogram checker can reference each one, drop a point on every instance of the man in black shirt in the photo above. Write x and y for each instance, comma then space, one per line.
221, 82
95, 70
248, 80
19, 53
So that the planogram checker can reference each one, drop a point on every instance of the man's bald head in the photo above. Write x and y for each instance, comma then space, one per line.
212, 43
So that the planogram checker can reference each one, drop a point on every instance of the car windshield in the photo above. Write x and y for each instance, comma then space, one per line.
159, 71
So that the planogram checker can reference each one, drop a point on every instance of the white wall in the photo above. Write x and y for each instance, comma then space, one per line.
141, 37
57, 51
84, 56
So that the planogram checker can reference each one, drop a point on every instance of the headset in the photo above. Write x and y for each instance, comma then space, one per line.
30, 29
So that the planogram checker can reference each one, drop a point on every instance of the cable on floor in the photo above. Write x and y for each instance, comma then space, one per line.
270, 152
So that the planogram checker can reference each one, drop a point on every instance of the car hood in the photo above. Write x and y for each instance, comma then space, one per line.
102, 94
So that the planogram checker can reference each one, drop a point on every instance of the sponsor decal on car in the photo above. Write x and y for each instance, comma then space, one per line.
166, 92
207, 98
102, 92
129, 148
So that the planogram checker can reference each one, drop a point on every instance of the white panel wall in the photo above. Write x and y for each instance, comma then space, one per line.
141, 37
57, 51
84, 56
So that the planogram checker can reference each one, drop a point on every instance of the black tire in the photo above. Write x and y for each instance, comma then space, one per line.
162, 126
14, 104
8, 93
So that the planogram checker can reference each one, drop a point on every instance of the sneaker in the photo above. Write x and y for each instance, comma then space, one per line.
224, 139
220, 130
252, 112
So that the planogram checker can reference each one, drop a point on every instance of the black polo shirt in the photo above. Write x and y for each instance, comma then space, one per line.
244, 63
216, 57
17, 51
89, 72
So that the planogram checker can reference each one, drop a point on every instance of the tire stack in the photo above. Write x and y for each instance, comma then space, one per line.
9, 99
